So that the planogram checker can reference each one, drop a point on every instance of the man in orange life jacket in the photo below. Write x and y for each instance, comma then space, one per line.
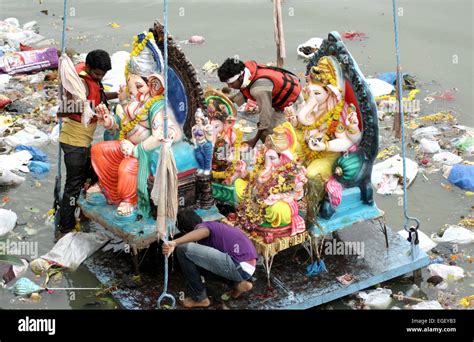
75, 139
272, 88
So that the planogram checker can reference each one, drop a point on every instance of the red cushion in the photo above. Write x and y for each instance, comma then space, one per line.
350, 97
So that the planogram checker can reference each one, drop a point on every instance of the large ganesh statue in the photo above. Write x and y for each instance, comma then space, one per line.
326, 127
337, 130
268, 197
125, 165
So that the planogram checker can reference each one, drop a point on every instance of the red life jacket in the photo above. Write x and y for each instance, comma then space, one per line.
286, 85
95, 92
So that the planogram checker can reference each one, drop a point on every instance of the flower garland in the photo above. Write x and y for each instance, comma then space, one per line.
252, 208
230, 170
251, 212
332, 118
329, 117
131, 124
411, 96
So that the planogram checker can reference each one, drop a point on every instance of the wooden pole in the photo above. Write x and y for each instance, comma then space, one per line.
278, 33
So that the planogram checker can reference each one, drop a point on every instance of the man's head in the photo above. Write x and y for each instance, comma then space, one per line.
232, 73
97, 64
187, 220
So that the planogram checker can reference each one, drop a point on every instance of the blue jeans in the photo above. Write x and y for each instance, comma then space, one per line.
192, 255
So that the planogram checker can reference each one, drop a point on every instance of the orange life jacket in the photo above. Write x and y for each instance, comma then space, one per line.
286, 85
96, 92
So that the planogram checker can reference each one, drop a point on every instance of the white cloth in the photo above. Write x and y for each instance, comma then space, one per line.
165, 190
71, 81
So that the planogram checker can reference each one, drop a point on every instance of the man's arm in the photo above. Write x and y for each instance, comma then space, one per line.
238, 99
196, 235
263, 96
111, 95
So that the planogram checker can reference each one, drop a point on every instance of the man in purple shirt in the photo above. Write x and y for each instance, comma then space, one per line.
219, 248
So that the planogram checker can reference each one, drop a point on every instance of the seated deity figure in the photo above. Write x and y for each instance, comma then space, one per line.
123, 165
326, 126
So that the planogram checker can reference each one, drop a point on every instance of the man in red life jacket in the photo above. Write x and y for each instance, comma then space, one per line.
272, 88
75, 139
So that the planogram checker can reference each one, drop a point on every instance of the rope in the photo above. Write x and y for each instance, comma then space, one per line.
412, 231
165, 48
58, 177
164, 294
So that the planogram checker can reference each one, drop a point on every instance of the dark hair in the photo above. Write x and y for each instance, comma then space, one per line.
99, 59
187, 219
230, 68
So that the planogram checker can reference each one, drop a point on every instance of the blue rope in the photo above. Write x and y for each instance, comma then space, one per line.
165, 48
63, 49
412, 239
164, 294
63, 41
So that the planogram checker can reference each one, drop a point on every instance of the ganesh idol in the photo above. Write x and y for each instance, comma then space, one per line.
123, 165
327, 127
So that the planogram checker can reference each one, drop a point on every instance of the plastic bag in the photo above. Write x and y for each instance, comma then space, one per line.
36, 153
379, 87
54, 135
73, 248
447, 158
426, 244
309, 47
7, 221
428, 305
386, 175
11, 272
425, 132
465, 144
16, 161
30, 135
446, 272
455, 234
429, 146
38, 167
28, 61
9, 178
462, 176
197, 40
379, 298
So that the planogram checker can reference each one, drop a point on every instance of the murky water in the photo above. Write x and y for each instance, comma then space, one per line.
436, 46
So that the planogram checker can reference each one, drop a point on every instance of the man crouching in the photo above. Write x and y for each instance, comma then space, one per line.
219, 248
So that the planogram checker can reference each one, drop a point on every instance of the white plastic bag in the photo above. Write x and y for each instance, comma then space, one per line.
425, 132
54, 135
9, 178
428, 305
426, 244
447, 158
7, 221
30, 136
314, 43
446, 272
429, 146
455, 234
386, 175
379, 87
73, 248
16, 161
378, 299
